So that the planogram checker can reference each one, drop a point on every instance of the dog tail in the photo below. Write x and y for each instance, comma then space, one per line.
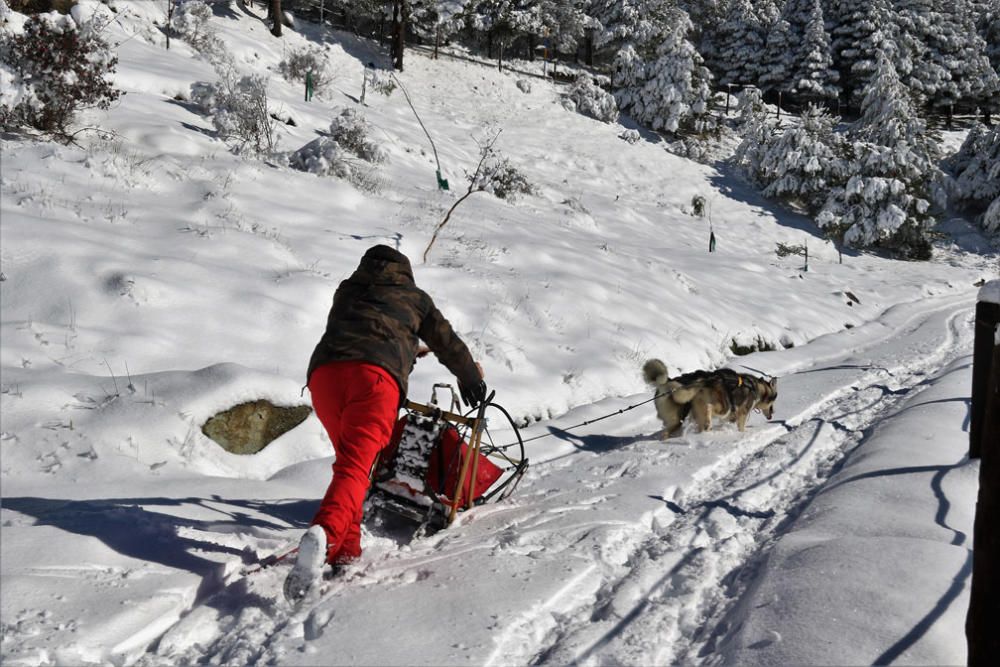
654, 372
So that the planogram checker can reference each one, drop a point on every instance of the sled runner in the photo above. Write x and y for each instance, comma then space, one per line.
437, 464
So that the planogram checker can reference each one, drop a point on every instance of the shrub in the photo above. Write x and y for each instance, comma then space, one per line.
381, 82
191, 20
348, 153
592, 100
300, 63
325, 157
351, 131
203, 96
630, 136
503, 179
239, 111
53, 70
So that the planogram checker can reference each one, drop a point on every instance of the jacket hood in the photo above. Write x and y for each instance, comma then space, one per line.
382, 264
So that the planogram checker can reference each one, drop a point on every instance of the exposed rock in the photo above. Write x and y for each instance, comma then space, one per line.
248, 428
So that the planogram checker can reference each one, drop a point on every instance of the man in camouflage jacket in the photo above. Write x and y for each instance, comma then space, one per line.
357, 377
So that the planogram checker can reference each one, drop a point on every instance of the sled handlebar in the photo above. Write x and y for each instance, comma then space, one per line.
445, 414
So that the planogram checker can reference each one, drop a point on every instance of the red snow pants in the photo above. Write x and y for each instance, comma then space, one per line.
357, 403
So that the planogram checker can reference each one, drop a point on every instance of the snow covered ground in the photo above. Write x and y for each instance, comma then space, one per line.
152, 278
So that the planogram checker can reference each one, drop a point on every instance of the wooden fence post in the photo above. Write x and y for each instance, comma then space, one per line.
983, 617
987, 318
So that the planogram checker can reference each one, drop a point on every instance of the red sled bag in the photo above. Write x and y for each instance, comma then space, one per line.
427, 450
445, 467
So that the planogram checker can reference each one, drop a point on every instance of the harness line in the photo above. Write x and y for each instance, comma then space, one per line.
589, 421
612, 414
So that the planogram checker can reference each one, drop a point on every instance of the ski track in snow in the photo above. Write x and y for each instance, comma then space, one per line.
660, 586
683, 579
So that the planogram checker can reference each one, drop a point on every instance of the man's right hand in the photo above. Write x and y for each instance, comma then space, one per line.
474, 394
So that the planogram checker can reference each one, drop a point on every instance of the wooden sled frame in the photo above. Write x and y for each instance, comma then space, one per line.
476, 426
471, 428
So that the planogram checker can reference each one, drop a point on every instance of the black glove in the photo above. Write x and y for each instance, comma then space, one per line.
474, 394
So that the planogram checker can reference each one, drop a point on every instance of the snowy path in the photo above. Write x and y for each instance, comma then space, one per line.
559, 575
678, 585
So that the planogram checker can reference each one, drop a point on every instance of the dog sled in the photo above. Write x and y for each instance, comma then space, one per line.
440, 462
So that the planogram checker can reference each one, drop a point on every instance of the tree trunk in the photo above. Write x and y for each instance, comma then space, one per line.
274, 11
399, 17
170, 20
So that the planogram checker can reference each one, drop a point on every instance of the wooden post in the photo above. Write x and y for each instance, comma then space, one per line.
987, 318
456, 499
983, 618
170, 20
474, 453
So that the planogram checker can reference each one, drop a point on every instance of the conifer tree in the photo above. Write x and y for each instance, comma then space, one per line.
754, 125
988, 23
629, 22
496, 22
887, 201
778, 67
804, 162
861, 29
916, 19
768, 11
814, 77
671, 92
976, 168
785, 50
434, 21
740, 43
955, 46
562, 21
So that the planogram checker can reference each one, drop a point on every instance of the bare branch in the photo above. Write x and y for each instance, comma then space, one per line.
485, 150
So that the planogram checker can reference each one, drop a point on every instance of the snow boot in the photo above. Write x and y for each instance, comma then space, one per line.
308, 568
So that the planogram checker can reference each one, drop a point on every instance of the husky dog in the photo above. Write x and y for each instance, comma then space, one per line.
707, 394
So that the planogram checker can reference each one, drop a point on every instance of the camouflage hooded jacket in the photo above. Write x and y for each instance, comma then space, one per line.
379, 316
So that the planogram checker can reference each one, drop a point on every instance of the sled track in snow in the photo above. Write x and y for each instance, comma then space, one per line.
670, 600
